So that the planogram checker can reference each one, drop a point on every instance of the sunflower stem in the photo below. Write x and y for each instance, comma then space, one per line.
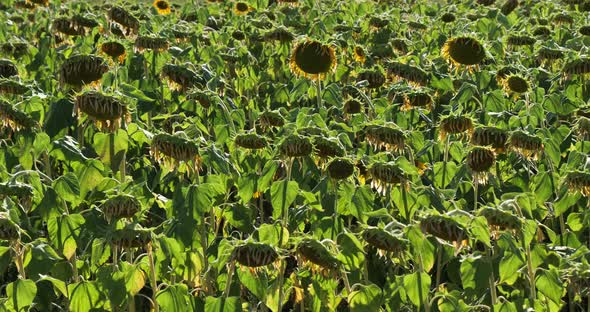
319, 93
445, 160
131, 298
230, 274
18, 254
492, 278
281, 281
475, 197
438, 266
153, 281
335, 214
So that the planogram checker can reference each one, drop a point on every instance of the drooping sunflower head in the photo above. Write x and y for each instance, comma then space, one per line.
326, 148
14, 118
390, 138
579, 66
312, 59
448, 17
455, 125
253, 254
241, 8
463, 51
385, 174
583, 128
314, 252
87, 21
490, 136
549, 55
515, 84
504, 72
180, 77
115, 50
171, 150
9, 86
529, 146
295, 146
520, 40
280, 34
120, 207
340, 168
385, 241
562, 19
7, 69
374, 77
79, 70
132, 236
270, 119
479, 160
413, 75
250, 141
107, 111
162, 7
500, 220
16, 49
65, 26
509, 6
417, 99
359, 54
578, 181
353, 106
541, 31
157, 44
8, 229
577, 274
124, 18
445, 229
22, 192
584, 30
204, 98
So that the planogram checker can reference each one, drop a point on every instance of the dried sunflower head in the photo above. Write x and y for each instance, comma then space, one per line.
14, 118
454, 125
65, 26
515, 84
326, 148
115, 50
578, 181
124, 18
313, 251
500, 220
479, 160
490, 136
549, 55
280, 34
463, 51
509, 6
413, 75
392, 139
131, 237
295, 146
529, 146
562, 19
579, 66
353, 106
250, 141
446, 229
448, 17
180, 77
255, 255
416, 99
583, 128
9, 86
7, 69
79, 70
520, 40
312, 59
173, 149
384, 240
384, 175
16, 49
271, 119
107, 111
374, 77
157, 44
120, 206
340, 168
541, 31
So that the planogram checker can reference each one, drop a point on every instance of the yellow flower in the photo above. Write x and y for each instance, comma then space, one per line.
162, 6
312, 59
242, 8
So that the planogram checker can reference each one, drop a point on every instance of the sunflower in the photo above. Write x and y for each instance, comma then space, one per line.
384, 175
415, 100
479, 160
162, 6
7, 69
413, 75
390, 138
241, 8
385, 241
340, 168
120, 207
174, 149
500, 220
454, 125
464, 51
179, 77
509, 6
271, 119
374, 77
115, 50
579, 66
359, 54
106, 111
9, 86
352, 106
317, 255
490, 136
250, 141
326, 148
295, 146
312, 59
578, 181
132, 236
79, 70
158, 44
445, 229
529, 146
255, 255
515, 84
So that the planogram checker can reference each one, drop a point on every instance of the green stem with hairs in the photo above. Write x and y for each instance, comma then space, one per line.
153, 281
319, 93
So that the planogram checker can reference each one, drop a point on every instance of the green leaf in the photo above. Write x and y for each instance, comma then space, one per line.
174, 298
89, 174
480, 230
362, 202
21, 294
63, 232
475, 272
443, 175
417, 286
84, 296
549, 284
134, 277
365, 298
111, 147
256, 283
282, 195
68, 188
422, 247
230, 304
270, 233
351, 251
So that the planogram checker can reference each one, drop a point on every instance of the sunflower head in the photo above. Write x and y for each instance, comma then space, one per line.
179, 77
445, 228
390, 138
312, 59
529, 146
515, 84
313, 251
158, 44
509, 6
280, 34
120, 207
66, 26
8, 230
562, 19
385, 174
15, 49
173, 149
325, 147
131, 237
270, 119
579, 66
500, 220
114, 49
463, 51
340, 168
455, 125
413, 75
359, 54
353, 106
583, 128
124, 18
79, 70
490, 136
241, 8
255, 255
400, 45
448, 17
384, 240
541, 31
479, 160
584, 30
578, 181
9, 86
250, 141
106, 111
295, 146
14, 118
520, 40
7, 69
374, 77
416, 99
549, 55
162, 7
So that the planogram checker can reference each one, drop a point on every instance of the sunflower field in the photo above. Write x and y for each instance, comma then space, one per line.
295, 155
